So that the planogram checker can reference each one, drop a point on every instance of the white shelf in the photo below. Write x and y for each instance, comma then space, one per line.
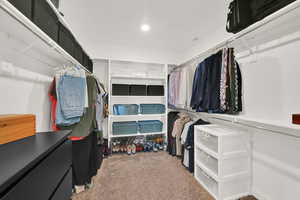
120, 118
207, 150
29, 39
137, 100
275, 126
138, 134
125, 72
275, 26
138, 77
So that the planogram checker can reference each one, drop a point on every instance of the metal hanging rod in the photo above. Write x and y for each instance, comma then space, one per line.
247, 123
284, 11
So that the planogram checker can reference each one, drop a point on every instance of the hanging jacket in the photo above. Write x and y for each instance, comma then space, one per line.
189, 143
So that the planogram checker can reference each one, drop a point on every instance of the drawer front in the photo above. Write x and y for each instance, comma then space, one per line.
208, 140
209, 183
15, 128
64, 191
42, 180
207, 160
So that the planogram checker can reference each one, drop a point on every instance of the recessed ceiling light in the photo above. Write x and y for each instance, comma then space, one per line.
145, 27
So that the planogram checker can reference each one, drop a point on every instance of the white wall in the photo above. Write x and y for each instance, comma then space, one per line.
25, 96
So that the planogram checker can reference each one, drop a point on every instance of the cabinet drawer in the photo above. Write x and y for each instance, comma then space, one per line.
64, 191
15, 127
224, 168
42, 180
208, 140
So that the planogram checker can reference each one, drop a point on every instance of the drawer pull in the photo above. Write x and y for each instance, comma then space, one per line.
3, 125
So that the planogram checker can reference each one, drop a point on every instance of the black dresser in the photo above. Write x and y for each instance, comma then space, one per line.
37, 168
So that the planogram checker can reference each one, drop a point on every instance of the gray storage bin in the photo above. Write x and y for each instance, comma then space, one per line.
152, 108
124, 128
150, 126
126, 109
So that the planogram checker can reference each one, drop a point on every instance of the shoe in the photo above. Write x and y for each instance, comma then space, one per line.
133, 148
155, 149
129, 149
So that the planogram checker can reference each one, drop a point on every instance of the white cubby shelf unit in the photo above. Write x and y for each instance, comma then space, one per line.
137, 73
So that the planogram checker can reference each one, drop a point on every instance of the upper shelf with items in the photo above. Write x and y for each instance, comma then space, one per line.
258, 36
35, 28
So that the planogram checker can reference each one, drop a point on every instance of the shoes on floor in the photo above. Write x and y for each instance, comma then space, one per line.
133, 149
79, 188
129, 149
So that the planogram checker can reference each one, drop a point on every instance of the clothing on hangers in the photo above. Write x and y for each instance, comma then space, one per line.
217, 84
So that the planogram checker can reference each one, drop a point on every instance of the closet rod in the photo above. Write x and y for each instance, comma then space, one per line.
18, 16
237, 121
291, 7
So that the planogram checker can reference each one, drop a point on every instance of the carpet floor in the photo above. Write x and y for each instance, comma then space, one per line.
144, 176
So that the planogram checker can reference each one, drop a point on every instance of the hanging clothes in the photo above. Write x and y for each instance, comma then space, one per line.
217, 84
172, 117
185, 159
189, 143
71, 95
178, 83
87, 123
177, 130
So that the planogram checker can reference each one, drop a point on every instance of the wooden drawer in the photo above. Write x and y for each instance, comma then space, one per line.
41, 182
15, 127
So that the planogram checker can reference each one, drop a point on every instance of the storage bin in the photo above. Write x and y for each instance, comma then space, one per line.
78, 52
150, 126
206, 181
45, 18
120, 89
208, 140
152, 109
66, 40
207, 160
138, 90
90, 65
123, 128
222, 140
233, 188
155, 90
126, 109
24, 6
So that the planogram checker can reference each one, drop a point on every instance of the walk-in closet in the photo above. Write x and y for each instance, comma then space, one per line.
141, 99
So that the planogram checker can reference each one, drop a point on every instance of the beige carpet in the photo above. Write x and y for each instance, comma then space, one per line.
144, 176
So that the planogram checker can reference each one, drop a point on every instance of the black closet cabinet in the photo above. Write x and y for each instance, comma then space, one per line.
37, 168
45, 18
24, 6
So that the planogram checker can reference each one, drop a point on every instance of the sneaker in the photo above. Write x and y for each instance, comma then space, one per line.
129, 150
133, 148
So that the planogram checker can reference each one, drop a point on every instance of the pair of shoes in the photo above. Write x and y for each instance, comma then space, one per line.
79, 188
131, 149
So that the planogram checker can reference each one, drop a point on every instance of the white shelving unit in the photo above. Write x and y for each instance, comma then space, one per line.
124, 72
223, 161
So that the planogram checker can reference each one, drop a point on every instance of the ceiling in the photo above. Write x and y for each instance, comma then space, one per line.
111, 28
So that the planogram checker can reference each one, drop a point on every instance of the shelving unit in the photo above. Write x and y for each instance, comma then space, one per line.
124, 72
223, 161
29, 39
